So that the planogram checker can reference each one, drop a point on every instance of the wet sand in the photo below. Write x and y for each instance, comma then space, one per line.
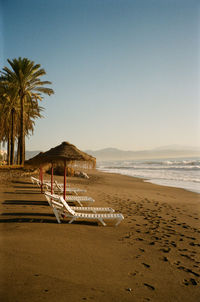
153, 255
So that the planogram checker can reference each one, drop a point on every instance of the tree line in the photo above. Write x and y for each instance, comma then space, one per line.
21, 89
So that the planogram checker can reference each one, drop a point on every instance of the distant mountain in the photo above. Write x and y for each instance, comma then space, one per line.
178, 147
163, 152
117, 154
30, 154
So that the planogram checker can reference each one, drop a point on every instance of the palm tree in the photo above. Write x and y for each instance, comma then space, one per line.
25, 75
7, 102
10, 119
9, 110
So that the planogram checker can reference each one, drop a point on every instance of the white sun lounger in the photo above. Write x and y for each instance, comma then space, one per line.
56, 186
54, 201
38, 182
60, 207
68, 189
72, 198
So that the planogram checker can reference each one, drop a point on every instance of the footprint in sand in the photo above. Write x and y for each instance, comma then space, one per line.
173, 243
133, 274
191, 281
165, 250
188, 270
146, 265
177, 262
139, 239
149, 286
192, 238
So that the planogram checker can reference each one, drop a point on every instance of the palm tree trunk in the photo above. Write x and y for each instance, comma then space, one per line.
8, 150
12, 137
22, 138
24, 148
18, 151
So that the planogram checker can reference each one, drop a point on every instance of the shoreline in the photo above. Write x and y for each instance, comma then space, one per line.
155, 181
153, 255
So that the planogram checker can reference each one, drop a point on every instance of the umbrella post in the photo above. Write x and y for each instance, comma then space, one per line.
52, 178
40, 175
64, 191
41, 179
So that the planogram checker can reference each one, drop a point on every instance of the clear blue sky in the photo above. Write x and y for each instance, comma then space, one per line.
125, 72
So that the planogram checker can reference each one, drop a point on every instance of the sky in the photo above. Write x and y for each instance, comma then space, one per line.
125, 72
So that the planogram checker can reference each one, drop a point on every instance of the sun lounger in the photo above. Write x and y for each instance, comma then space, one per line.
62, 209
46, 184
35, 181
72, 198
59, 188
38, 181
54, 200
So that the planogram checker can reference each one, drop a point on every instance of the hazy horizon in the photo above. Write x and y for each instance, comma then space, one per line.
167, 147
125, 73
173, 152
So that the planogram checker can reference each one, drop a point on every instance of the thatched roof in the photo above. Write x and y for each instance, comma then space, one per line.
64, 152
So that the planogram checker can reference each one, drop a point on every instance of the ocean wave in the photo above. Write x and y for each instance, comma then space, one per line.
158, 175
184, 173
145, 167
153, 165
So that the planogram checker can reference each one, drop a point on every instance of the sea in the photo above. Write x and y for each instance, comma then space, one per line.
174, 172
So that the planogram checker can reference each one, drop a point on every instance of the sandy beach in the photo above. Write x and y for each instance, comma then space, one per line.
153, 255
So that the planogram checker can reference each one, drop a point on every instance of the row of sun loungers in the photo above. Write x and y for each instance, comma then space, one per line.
62, 209
56, 186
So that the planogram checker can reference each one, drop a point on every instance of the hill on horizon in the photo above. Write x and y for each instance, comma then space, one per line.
161, 152
117, 154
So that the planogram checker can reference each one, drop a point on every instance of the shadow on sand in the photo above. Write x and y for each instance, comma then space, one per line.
25, 187
21, 182
19, 217
22, 192
25, 202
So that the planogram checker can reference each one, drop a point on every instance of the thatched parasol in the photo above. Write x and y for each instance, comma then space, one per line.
37, 161
65, 153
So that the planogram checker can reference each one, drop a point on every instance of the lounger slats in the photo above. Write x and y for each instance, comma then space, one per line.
62, 209
70, 198
79, 198
98, 215
69, 189
93, 209
56, 186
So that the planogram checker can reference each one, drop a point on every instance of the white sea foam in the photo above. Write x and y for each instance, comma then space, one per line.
181, 173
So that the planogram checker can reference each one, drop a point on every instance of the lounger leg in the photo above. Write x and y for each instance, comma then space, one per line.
72, 220
56, 214
48, 200
118, 222
79, 203
101, 220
